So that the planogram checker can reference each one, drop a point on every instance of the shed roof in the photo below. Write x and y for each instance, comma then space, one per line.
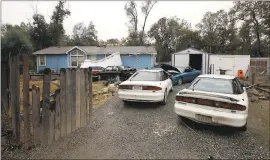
97, 50
191, 50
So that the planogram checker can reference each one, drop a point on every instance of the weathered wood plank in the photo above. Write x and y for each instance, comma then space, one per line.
87, 94
36, 114
15, 95
73, 99
57, 124
51, 126
46, 106
83, 98
26, 110
68, 99
63, 108
78, 98
90, 94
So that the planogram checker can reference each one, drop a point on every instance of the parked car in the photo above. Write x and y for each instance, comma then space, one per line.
151, 85
214, 99
121, 73
188, 75
95, 71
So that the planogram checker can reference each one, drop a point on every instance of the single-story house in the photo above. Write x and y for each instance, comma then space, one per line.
56, 58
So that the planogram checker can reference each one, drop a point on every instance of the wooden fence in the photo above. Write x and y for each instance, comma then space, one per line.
48, 120
258, 65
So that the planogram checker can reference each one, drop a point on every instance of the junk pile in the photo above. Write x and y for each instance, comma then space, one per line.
258, 91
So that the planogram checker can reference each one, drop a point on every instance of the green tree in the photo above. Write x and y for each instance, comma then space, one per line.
166, 33
56, 26
84, 36
15, 40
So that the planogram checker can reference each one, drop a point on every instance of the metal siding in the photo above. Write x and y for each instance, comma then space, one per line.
137, 61
55, 62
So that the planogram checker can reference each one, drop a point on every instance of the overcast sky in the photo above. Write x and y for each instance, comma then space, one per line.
109, 16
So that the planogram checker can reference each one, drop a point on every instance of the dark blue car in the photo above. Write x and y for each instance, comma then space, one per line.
178, 77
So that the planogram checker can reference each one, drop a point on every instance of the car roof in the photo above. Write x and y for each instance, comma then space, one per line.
151, 70
216, 76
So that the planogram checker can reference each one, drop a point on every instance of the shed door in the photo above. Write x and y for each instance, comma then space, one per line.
181, 60
225, 63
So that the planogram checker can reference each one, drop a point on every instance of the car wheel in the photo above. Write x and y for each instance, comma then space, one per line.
164, 102
180, 81
244, 128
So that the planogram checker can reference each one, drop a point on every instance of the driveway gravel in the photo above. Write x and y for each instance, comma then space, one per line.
143, 130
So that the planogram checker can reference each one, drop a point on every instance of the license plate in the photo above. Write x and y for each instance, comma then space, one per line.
137, 87
205, 119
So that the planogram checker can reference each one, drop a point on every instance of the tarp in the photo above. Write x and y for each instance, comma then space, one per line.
112, 60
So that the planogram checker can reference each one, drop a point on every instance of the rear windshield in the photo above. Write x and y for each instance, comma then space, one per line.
216, 85
146, 76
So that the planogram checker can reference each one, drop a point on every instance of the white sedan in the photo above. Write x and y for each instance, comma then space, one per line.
151, 85
214, 99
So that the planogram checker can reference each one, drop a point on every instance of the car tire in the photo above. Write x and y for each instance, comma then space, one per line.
164, 102
244, 128
180, 81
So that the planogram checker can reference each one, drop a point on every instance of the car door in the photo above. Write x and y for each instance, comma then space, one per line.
167, 81
187, 75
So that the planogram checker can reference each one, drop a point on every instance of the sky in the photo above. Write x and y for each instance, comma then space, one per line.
109, 16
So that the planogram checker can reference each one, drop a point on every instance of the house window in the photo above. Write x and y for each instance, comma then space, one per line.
76, 58
42, 60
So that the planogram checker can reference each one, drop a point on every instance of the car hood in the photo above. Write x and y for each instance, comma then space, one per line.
167, 67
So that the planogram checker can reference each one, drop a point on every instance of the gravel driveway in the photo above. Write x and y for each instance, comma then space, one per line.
141, 130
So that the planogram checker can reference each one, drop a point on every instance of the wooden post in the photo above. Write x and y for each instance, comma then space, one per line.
73, 99
15, 96
68, 100
63, 108
36, 114
83, 98
57, 124
90, 96
26, 111
86, 93
51, 126
253, 78
78, 98
45, 106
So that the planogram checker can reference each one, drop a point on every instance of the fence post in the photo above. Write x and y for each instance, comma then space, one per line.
26, 111
90, 96
63, 108
14, 95
73, 99
253, 78
83, 98
78, 98
51, 126
36, 114
46, 106
68, 100
57, 124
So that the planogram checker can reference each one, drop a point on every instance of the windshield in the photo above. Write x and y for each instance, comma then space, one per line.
216, 85
146, 76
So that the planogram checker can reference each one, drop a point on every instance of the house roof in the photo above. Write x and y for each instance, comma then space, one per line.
190, 50
98, 50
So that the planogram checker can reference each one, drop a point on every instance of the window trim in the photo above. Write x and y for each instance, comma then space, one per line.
44, 60
77, 55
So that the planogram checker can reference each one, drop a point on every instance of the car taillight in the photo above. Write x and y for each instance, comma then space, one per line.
237, 107
152, 88
125, 87
185, 99
211, 103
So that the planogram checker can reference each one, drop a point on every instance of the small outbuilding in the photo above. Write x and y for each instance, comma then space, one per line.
191, 57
